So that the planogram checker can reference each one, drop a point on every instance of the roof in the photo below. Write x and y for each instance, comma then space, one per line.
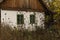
29, 5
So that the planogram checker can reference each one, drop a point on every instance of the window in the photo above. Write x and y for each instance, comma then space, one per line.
32, 19
20, 19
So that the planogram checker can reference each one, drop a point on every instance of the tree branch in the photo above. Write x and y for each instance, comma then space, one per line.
47, 12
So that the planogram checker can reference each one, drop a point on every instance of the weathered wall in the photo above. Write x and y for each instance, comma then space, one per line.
10, 17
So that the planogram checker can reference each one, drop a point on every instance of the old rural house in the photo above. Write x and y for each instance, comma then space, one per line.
22, 13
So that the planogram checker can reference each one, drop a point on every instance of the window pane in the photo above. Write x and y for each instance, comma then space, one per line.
32, 19
20, 19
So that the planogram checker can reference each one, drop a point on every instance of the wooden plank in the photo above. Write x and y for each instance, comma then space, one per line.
17, 4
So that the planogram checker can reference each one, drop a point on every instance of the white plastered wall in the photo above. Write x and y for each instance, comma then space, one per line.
10, 17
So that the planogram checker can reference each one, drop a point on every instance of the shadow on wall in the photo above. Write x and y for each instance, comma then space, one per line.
22, 27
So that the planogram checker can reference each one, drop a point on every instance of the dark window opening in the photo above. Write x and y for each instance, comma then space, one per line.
32, 19
20, 19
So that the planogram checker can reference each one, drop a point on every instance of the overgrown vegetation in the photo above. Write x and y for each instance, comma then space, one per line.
40, 34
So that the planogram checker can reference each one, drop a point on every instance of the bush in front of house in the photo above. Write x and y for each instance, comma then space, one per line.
40, 34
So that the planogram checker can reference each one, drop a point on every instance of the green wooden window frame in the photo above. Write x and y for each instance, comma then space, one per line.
32, 19
20, 19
